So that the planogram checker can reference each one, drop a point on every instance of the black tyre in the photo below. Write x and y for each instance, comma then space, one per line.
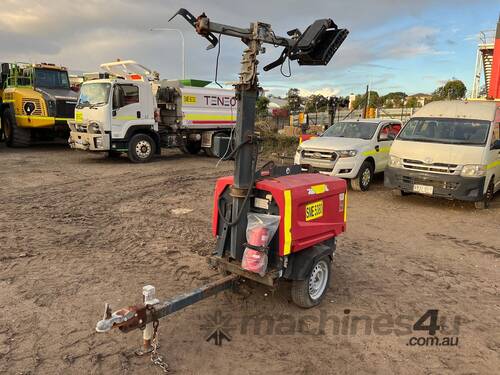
488, 196
141, 148
14, 136
364, 178
192, 147
400, 193
311, 291
209, 152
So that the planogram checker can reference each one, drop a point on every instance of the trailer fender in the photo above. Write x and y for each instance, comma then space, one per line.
301, 263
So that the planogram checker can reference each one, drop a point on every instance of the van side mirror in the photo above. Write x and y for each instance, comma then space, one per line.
496, 145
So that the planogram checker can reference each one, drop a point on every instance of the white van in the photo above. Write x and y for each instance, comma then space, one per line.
448, 149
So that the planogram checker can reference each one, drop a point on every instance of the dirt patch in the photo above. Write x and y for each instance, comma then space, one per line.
78, 230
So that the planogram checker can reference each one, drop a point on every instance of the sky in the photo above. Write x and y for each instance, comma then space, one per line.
396, 45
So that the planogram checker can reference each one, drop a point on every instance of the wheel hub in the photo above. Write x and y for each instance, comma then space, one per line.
143, 149
365, 177
318, 280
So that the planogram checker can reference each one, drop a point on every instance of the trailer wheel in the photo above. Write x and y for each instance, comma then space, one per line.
364, 178
488, 196
141, 148
14, 136
310, 292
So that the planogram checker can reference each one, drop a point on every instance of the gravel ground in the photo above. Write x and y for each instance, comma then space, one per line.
78, 230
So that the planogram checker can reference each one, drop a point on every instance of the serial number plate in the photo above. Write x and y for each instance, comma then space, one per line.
423, 189
314, 210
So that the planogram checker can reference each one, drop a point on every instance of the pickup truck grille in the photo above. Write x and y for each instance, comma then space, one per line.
417, 165
321, 156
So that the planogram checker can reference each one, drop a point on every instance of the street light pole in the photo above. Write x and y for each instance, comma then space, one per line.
183, 46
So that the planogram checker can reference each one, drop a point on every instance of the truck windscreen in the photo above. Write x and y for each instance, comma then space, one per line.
355, 129
51, 79
448, 131
93, 94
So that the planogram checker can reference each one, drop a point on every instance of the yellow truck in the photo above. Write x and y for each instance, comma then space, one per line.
36, 102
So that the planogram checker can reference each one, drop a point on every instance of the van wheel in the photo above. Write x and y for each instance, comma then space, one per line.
364, 178
311, 291
141, 148
14, 135
488, 196
400, 193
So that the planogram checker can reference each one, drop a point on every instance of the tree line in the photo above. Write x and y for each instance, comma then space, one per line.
452, 89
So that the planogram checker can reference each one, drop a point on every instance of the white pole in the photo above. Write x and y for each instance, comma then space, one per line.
183, 57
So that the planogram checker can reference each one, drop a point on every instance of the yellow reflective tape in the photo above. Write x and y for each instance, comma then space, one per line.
345, 207
381, 150
196, 116
288, 223
44, 118
35, 117
78, 117
493, 165
319, 189
126, 118
8, 101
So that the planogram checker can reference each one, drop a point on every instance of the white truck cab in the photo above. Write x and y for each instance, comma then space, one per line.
449, 149
108, 110
351, 149
132, 112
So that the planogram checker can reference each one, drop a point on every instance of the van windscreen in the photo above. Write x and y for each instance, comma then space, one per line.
449, 131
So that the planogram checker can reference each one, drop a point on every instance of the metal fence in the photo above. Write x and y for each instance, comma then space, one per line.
323, 118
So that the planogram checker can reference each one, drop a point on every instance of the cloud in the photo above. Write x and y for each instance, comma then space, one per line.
84, 34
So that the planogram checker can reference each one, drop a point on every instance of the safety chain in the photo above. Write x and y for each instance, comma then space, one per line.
156, 358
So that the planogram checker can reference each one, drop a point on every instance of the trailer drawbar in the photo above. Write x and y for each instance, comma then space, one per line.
273, 223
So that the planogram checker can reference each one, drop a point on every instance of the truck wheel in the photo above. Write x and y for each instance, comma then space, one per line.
209, 152
141, 148
14, 136
364, 178
309, 292
488, 196
192, 147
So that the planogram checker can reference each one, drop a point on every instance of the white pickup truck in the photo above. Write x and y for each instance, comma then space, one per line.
351, 149
130, 112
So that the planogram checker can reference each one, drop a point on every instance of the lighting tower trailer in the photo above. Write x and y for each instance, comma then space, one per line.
273, 223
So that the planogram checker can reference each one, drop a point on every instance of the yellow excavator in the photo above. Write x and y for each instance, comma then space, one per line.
36, 101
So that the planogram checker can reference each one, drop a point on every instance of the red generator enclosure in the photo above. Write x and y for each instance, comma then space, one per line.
312, 207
